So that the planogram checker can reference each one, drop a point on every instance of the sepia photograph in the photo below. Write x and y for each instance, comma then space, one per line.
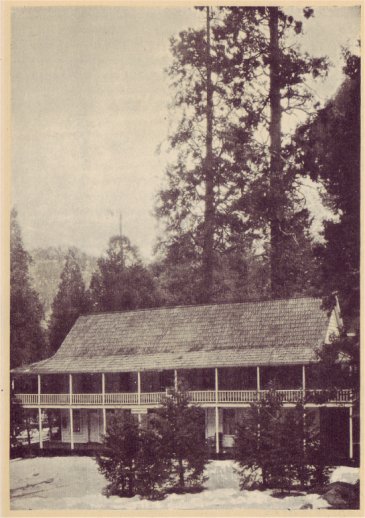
184, 256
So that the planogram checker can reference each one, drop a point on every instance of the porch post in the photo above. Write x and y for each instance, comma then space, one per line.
39, 389
175, 380
139, 386
70, 387
40, 428
351, 445
71, 429
303, 381
103, 388
216, 413
104, 421
258, 382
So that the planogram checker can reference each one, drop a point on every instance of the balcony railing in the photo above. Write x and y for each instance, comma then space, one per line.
122, 398
202, 396
152, 398
199, 396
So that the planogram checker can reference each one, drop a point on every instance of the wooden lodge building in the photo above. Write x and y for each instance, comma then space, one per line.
229, 355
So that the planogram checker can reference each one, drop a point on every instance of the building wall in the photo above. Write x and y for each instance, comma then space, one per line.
90, 429
332, 327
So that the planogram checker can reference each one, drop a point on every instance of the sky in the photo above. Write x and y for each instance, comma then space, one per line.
90, 108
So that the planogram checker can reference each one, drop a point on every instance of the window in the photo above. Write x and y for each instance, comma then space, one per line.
77, 421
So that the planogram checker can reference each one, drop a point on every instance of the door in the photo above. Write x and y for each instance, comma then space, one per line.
94, 435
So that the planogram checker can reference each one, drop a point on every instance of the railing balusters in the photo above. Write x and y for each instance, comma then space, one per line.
196, 396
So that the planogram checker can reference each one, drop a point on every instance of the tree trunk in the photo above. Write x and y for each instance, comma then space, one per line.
181, 474
208, 244
275, 198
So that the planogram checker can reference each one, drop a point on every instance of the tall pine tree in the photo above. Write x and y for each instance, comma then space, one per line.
204, 182
70, 301
273, 199
27, 337
235, 80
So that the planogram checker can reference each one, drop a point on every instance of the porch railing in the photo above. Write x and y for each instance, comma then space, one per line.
151, 398
237, 396
202, 396
122, 398
87, 399
196, 396
54, 399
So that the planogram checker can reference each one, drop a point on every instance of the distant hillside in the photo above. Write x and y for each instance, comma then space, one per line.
46, 267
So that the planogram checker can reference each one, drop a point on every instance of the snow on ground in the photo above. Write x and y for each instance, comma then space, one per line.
75, 483
345, 474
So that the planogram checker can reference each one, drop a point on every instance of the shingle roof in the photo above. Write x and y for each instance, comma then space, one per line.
247, 334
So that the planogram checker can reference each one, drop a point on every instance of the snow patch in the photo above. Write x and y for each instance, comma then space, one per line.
345, 474
75, 483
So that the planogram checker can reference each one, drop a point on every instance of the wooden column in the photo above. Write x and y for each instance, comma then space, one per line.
103, 388
175, 380
351, 440
303, 381
71, 429
71, 413
40, 427
104, 420
139, 387
39, 412
216, 413
70, 387
103, 401
258, 382
39, 389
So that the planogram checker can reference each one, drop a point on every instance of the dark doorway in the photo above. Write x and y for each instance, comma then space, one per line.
335, 433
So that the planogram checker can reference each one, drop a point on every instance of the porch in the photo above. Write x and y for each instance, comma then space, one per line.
232, 386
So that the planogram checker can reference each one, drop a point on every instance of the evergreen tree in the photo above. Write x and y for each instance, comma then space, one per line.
281, 446
272, 198
172, 270
69, 303
181, 427
246, 61
328, 149
133, 460
17, 420
198, 203
339, 365
121, 282
27, 338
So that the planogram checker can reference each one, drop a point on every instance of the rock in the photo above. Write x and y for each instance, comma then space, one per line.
306, 506
342, 495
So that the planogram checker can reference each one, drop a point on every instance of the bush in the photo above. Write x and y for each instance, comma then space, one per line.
133, 461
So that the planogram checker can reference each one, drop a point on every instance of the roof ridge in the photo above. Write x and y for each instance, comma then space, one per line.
203, 304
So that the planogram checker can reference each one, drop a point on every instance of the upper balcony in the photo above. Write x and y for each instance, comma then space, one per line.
208, 387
